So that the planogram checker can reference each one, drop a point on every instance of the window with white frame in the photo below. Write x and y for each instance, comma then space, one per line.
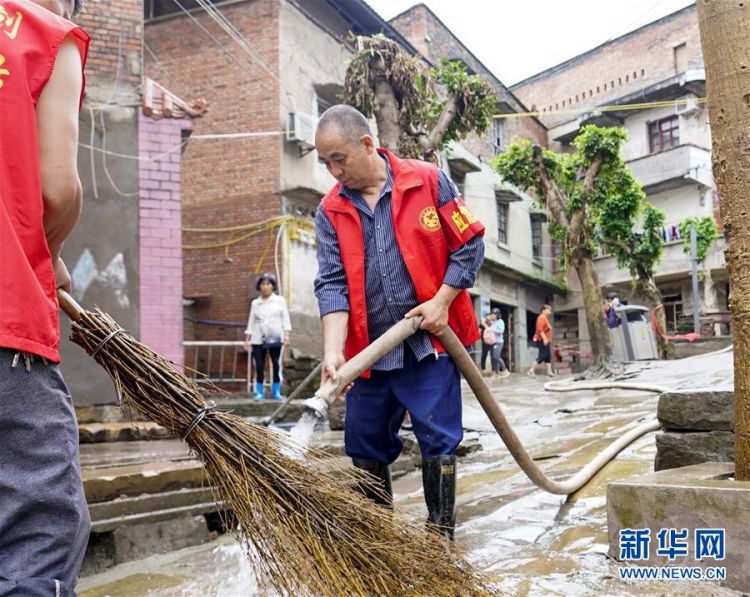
536, 238
502, 221
498, 135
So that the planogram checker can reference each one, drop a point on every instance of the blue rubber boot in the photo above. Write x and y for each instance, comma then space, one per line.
276, 391
259, 392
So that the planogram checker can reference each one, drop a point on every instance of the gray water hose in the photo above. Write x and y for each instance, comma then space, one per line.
353, 368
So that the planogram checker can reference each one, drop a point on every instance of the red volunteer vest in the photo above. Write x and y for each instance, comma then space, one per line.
30, 37
426, 234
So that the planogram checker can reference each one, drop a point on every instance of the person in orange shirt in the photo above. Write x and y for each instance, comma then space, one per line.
543, 340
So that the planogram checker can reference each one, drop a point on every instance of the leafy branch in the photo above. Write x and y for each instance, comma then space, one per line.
706, 234
418, 109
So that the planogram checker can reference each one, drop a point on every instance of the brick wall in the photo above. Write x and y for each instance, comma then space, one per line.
434, 40
621, 67
160, 235
113, 25
225, 182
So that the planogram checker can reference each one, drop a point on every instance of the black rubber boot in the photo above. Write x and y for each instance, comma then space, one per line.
439, 481
382, 493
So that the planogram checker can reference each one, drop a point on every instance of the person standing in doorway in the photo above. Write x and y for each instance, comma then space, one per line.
498, 329
543, 340
44, 520
486, 324
268, 329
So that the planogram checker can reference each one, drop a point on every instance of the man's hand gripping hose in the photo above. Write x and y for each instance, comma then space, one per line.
353, 368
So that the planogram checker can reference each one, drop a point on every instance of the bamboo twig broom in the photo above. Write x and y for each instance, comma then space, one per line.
304, 529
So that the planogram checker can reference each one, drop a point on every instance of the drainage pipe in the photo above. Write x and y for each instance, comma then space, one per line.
318, 404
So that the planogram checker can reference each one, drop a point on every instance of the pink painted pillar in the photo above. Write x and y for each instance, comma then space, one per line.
159, 144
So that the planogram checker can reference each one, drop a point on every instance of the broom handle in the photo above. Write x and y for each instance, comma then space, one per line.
69, 305
361, 362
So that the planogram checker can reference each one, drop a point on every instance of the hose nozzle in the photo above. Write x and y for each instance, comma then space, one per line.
317, 407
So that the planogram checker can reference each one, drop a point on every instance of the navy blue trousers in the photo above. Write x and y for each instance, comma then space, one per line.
429, 389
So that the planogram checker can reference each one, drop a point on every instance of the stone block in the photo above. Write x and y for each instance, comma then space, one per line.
676, 449
134, 542
698, 410
698, 496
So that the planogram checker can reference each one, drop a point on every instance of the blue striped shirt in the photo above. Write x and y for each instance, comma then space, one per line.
389, 289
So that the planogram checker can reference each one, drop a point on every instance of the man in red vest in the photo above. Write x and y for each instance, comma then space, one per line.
395, 240
44, 520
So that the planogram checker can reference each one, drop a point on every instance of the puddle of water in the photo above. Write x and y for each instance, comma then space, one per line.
236, 577
137, 585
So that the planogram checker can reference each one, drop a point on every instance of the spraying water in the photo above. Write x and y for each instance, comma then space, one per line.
303, 429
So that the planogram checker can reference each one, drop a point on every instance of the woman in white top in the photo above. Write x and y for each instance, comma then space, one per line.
498, 328
268, 328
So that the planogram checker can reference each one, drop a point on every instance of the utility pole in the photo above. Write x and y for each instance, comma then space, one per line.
725, 38
696, 296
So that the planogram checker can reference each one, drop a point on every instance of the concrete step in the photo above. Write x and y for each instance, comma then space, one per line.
90, 433
106, 413
144, 509
108, 483
103, 455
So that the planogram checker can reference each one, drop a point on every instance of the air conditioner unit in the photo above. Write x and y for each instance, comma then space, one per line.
689, 108
301, 130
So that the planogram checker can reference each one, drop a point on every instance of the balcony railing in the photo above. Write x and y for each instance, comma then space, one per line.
673, 168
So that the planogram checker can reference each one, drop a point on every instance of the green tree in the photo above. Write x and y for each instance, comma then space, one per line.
418, 109
706, 234
594, 202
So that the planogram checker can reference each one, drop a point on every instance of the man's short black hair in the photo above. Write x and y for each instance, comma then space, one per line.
77, 6
350, 122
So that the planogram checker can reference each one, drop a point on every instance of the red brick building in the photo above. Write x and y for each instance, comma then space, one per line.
290, 59
269, 68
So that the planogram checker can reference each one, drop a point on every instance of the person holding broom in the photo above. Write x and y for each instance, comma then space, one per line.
44, 520
395, 240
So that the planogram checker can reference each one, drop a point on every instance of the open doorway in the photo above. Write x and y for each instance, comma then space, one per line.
508, 315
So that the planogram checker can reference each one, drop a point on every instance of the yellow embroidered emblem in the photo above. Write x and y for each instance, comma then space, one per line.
429, 219
460, 223
9, 24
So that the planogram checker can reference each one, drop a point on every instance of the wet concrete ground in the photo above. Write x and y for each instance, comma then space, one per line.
530, 542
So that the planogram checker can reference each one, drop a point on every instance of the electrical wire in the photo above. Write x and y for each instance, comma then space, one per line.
104, 163
139, 158
91, 153
612, 108
216, 42
236, 35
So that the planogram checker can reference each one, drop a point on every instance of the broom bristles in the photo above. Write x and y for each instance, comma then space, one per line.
304, 529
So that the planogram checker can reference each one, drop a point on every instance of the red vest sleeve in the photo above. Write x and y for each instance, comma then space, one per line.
459, 224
